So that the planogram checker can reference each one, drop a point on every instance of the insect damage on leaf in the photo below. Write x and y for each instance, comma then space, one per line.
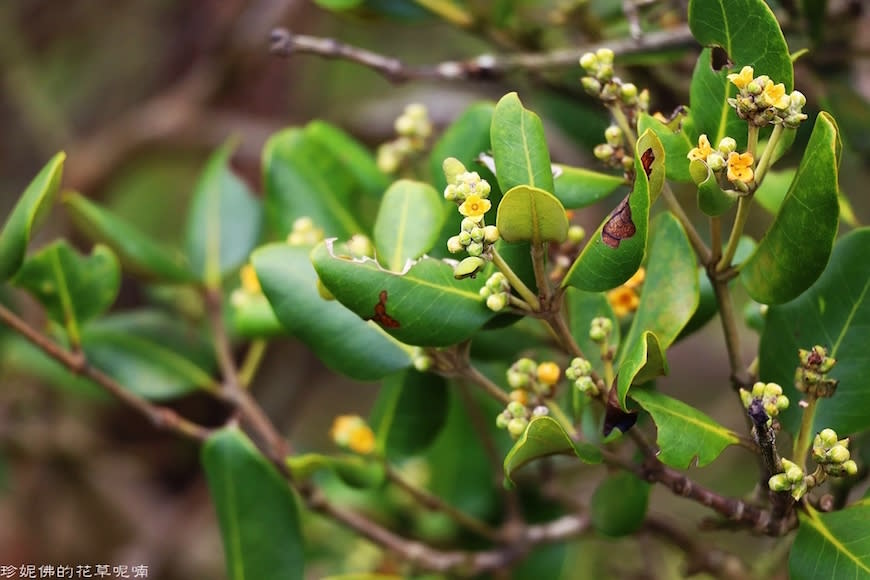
619, 226
615, 417
647, 160
380, 316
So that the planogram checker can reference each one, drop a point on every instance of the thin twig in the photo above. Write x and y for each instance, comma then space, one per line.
483, 67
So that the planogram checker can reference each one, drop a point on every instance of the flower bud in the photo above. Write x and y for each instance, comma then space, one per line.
628, 92
581, 366
605, 72
586, 386
464, 238
627, 163
520, 396
589, 62
828, 437
490, 234
591, 85
838, 454
613, 136
404, 125
485, 292
423, 363
576, 234
502, 420
454, 245
540, 411
603, 152
450, 192
496, 282
548, 373
779, 483
643, 100
727, 145
470, 266
360, 246
850, 467
715, 161
605, 55
794, 474
477, 234
517, 379
474, 249
517, 426
516, 409
497, 302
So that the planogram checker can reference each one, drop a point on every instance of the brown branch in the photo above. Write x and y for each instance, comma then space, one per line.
161, 417
483, 67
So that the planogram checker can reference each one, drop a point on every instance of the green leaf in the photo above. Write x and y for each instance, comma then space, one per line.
252, 316
26, 216
531, 214
831, 545
303, 178
350, 154
581, 307
256, 510
543, 437
710, 112
794, 251
408, 223
614, 252
748, 32
341, 339
355, 471
519, 146
137, 252
711, 199
618, 506
834, 313
772, 191
686, 436
72, 288
150, 353
667, 303
577, 187
424, 305
224, 221
409, 413
676, 144
338, 5
641, 360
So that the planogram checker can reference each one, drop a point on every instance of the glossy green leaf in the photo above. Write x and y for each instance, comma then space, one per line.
834, 313
831, 545
711, 199
519, 146
351, 155
794, 251
531, 214
676, 144
303, 178
710, 112
353, 470
409, 412
641, 360
686, 436
340, 338
618, 506
614, 252
772, 191
408, 223
543, 437
748, 32
256, 510
668, 300
72, 288
581, 307
26, 216
224, 220
150, 353
577, 187
424, 305
137, 251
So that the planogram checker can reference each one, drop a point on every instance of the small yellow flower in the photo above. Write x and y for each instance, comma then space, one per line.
623, 300
743, 78
352, 432
548, 373
740, 167
775, 96
474, 206
250, 282
702, 150
636, 279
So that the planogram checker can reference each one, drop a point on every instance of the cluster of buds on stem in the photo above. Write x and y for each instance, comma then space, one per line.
352, 432
600, 329
538, 379
614, 152
792, 479
579, 372
515, 418
725, 161
413, 128
811, 375
470, 192
771, 398
761, 101
304, 233
600, 82
832, 454
496, 291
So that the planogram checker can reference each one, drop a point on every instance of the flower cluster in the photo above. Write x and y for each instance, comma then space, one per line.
515, 418
614, 152
625, 299
739, 166
470, 192
600, 329
762, 102
413, 128
352, 432
771, 398
579, 372
304, 233
811, 375
832, 455
600, 82
526, 375
792, 479
496, 291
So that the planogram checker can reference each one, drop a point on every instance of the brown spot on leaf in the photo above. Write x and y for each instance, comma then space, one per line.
380, 316
646, 160
619, 226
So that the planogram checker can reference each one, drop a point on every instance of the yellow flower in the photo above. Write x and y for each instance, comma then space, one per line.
474, 206
250, 282
702, 150
740, 167
548, 373
774, 96
742, 79
623, 300
351, 431
636, 279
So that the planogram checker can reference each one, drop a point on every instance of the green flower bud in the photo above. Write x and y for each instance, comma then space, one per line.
485, 292
613, 136
603, 152
605, 72
581, 366
477, 234
474, 249
605, 55
405, 126
589, 62
798, 490
470, 266
643, 100
576, 234
502, 420
497, 281
727, 145
794, 474
490, 234
627, 163
754, 88
464, 238
452, 168
850, 467
517, 379
716, 162
423, 363
497, 302
454, 245
772, 390
388, 158
516, 409
779, 483
516, 427
591, 85
838, 454
450, 192
468, 224
758, 390
628, 92
797, 100
526, 365
828, 437
586, 386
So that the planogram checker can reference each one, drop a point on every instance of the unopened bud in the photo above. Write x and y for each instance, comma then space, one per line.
613, 136
603, 152
490, 234
576, 234
727, 145
517, 426
454, 245
497, 302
